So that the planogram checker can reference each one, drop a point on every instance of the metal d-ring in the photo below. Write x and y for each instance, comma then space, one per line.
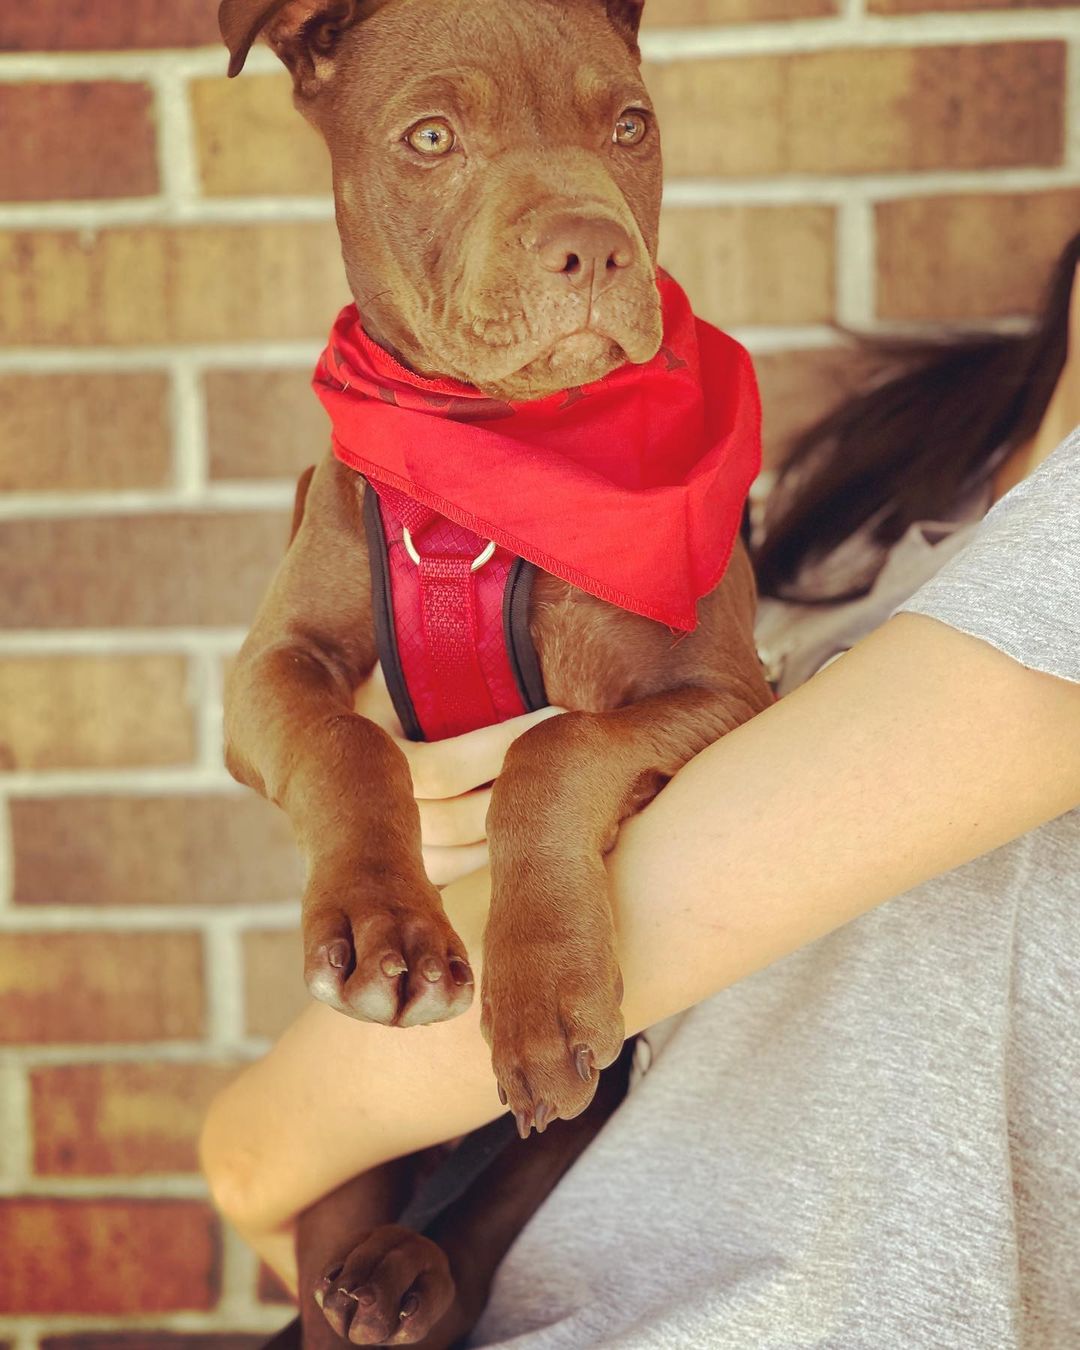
485, 556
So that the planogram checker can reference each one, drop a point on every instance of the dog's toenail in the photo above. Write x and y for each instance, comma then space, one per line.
338, 954
461, 971
363, 1298
502, 1093
348, 1293
584, 1062
543, 1115
393, 965
524, 1124
409, 1305
431, 970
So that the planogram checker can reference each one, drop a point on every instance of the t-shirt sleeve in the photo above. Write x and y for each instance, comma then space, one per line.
1017, 583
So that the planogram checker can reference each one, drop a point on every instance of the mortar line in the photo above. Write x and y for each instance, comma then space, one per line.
66, 641
16, 1142
855, 279
231, 355
786, 189
850, 28
7, 858
188, 416
176, 149
165, 1052
276, 915
258, 495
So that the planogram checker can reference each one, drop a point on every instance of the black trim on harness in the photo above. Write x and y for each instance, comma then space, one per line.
519, 644
382, 608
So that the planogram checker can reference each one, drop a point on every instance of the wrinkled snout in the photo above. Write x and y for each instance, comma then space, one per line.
590, 253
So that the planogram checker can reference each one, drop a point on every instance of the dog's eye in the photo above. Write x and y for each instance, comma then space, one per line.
630, 129
432, 137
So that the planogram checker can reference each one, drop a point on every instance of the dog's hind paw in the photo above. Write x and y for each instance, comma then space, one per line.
384, 961
392, 1289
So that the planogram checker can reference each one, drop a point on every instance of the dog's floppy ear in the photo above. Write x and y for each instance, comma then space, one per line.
626, 16
303, 33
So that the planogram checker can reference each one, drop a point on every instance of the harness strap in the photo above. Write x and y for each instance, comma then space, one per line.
451, 613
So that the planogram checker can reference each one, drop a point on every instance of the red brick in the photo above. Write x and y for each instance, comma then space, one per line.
87, 25
798, 387
863, 110
69, 432
263, 423
274, 991
974, 256
77, 140
753, 264
147, 571
251, 139
77, 712
121, 1119
82, 987
107, 1256
157, 284
174, 850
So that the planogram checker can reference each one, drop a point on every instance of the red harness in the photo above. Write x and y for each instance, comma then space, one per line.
631, 488
451, 619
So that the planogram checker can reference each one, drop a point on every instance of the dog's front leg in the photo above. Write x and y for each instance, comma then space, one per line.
377, 943
551, 984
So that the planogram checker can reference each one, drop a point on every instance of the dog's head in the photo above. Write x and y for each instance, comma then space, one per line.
496, 174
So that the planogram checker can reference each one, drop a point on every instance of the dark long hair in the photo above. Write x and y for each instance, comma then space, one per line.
902, 450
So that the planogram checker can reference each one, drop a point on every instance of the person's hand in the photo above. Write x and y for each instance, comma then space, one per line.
451, 781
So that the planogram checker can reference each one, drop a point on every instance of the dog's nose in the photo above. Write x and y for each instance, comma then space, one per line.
587, 252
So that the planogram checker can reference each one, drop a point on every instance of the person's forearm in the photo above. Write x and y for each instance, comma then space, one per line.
916, 752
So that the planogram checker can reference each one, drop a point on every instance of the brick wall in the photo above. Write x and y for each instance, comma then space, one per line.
167, 268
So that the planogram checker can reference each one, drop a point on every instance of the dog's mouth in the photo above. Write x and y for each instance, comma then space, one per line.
579, 356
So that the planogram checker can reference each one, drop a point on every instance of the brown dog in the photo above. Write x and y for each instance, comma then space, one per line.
448, 259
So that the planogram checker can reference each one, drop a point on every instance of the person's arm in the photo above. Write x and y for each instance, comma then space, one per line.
914, 753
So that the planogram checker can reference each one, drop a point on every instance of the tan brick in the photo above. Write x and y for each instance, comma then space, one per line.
107, 1256
798, 387
175, 850
104, 987
75, 712
753, 264
156, 284
83, 432
274, 991
121, 1119
863, 110
263, 423
676, 13
77, 140
154, 1340
146, 570
251, 139
86, 25
925, 6
972, 256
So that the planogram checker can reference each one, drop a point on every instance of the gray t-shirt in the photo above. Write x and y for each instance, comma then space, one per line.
874, 1143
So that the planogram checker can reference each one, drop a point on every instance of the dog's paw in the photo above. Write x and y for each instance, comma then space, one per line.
384, 958
392, 1289
551, 1030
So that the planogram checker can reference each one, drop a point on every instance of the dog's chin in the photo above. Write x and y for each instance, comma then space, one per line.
571, 360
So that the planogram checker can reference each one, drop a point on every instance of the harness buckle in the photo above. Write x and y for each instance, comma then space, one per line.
484, 556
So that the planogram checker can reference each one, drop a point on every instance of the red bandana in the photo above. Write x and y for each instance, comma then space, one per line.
631, 488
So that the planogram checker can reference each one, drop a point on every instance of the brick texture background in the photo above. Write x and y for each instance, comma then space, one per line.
878, 164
